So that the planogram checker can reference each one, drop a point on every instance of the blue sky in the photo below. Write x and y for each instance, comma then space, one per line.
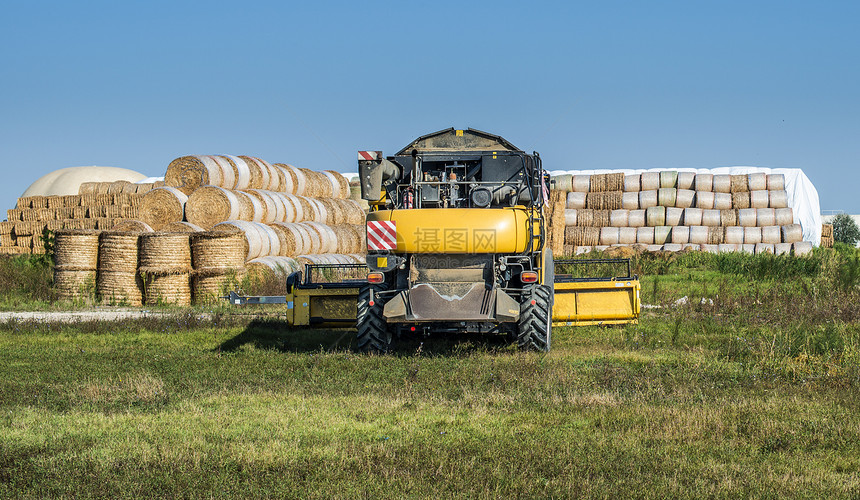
606, 84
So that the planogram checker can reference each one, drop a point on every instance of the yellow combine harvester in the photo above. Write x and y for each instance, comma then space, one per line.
456, 242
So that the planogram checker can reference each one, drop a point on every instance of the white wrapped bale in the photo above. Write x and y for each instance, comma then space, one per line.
765, 217
632, 183
693, 216
783, 216
752, 235
747, 248
757, 181
569, 217
661, 234
734, 235
636, 218
727, 247
722, 201
649, 181
668, 179
648, 199
681, 234
673, 216
609, 236
580, 183
655, 216
684, 198
722, 183
704, 182
777, 199
698, 234
792, 233
627, 235
771, 234
764, 248
619, 218
782, 249
582, 250
759, 199
686, 180
575, 200
711, 218
673, 247
666, 197
710, 248
654, 248
705, 200
747, 217
630, 200
645, 235
562, 182
775, 182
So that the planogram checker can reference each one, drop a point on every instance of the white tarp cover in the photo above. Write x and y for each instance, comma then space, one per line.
802, 195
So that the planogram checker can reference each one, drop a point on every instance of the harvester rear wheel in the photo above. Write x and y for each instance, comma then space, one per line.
373, 333
535, 324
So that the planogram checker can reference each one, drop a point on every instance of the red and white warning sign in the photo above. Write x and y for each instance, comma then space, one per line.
369, 155
381, 235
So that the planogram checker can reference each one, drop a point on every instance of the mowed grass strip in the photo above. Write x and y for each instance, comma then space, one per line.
257, 410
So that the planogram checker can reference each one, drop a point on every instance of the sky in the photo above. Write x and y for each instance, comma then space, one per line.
589, 85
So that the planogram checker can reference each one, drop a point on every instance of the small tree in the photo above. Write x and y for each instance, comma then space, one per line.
845, 230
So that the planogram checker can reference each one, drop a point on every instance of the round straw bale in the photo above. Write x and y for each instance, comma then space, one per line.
76, 249
578, 236
760, 199
294, 208
739, 183
273, 237
162, 206
334, 214
270, 174
119, 287
164, 253
615, 181
655, 216
668, 179
705, 199
341, 181
757, 181
728, 247
74, 284
167, 289
311, 237
673, 247
219, 250
609, 200
130, 225
182, 227
619, 218
292, 239
259, 174
227, 172
258, 242
210, 205
601, 218
761, 248
313, 185
674, 216
209, 287
632, 183
116, 187
752, 235
320, 214
765, 217
353, 214
327, 237
626, 235
267, 204
704, 182
684, 198
570, 217
576, 199
580, 183
692, 216
680, 235
278, 266
636, 218
645, 235
666, 197
722, 183
741, 200
648, 199
734, 235
747, 217
778, 199
728, 217
88, 188
716, 235
241, 172
298, 180
250, 207
630, 200
649, 181
143, 188
698, 235
562, 182
783, 216
118, 251
598, 183
776, 182
792, 233
188, 173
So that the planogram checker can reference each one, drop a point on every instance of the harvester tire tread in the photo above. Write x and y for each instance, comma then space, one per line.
373, 334
535, 324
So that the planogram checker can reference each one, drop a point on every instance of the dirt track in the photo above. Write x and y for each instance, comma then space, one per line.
75, 316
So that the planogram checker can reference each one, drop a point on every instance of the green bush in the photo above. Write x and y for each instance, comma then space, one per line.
845, 230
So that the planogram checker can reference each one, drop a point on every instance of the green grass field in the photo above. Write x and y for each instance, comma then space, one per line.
752, 392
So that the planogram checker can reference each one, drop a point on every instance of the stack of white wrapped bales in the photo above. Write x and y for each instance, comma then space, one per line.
672, 211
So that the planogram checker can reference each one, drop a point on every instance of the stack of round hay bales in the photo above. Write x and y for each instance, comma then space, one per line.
218, 259
272, 267
118, 281
165, 264
76, 255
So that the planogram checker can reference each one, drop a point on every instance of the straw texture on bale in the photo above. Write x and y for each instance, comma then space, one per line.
576, 199
211, 286
181, 227
167, 289
162, 206
219, 250
585, 217
277, 265
649, 181
716, 235
130, 225
610, 200
119, 287
741, 200
164, 253
728, 217
74, 284
118, 252
210, 205
188, 173
76, 249
258, 241
579, 236
739, 183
